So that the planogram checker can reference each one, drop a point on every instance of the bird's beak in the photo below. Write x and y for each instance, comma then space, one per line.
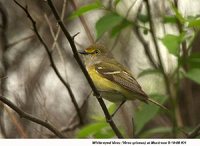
83, 52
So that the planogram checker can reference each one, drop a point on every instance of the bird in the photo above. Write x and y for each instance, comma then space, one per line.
114, 81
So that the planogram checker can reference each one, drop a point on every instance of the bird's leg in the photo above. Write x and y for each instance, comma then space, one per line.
118, 108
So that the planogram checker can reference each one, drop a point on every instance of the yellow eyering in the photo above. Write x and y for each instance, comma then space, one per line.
90, 50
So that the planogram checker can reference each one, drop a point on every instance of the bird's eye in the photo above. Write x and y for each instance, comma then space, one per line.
97, 51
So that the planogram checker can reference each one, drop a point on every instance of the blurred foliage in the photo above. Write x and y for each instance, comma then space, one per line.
146, 112
84, 9
149, 71
172, 42
154, 131
194, 75
170, 19
113, 23
99, 128
194, 60
96, 130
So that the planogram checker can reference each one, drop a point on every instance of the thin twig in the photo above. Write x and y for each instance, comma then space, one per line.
186, 82
84, 23
55, 44
27, 116
118, 36
146, 47
67, 86
154, 35
78, 59
56, 35
20, 40
161, 65
133, 128
144, 43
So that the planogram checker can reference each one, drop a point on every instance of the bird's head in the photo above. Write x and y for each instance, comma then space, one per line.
95, 50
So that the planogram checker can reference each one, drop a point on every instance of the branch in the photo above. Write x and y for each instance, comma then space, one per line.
157, 47
195, 132
20, 40
144, 43
78, 59
161, 66
154, 36
186, 82
84, 23
52, 61
27, 116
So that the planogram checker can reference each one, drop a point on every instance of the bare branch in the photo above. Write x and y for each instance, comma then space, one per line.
75, 35
20, 40
154, 36
27, 116
78, 59
67, 86
84, 23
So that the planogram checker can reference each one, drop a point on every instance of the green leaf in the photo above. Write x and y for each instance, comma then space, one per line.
112, 108
105, 133
147, 112
194, 75
143, 18
193, 17
194, 60
194, 23
116, 2
148, 71
107, 22
86, 8
91, 129
145, 31
170, 19
177, 13
172, 43
118, 28
98, 118
158, 130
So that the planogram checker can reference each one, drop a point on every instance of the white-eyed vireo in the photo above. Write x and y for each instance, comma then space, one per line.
113, 80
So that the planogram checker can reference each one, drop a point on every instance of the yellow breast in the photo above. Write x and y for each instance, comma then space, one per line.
100, 82
111, 91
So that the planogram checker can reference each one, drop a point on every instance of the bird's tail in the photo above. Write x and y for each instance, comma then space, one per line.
158, 104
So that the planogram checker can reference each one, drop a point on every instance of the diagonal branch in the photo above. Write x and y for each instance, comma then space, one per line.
27, 116
195, 132
78, 59
67, 86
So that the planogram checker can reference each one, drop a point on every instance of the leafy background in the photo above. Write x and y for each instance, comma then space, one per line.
123, 27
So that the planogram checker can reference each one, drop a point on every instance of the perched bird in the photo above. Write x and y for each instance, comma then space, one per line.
113, 80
